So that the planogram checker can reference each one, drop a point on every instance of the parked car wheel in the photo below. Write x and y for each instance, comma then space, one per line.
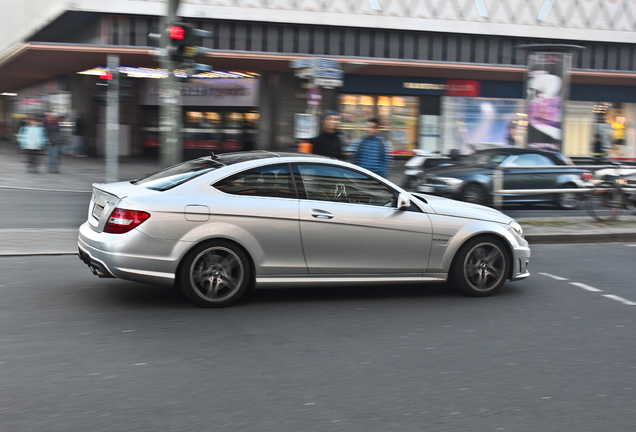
480, 267
569, 200
215, 274
474, 193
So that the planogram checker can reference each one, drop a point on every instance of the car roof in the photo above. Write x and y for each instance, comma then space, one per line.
517, 150
238, 157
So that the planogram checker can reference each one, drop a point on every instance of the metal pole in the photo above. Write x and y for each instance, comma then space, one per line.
169, 100
497, 183
112, 121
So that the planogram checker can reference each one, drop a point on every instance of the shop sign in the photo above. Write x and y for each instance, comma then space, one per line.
217, 92
466, 88
305, 126
321, 72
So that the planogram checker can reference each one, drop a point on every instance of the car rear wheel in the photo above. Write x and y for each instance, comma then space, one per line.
569, 200
215, 274
481, 267
474, 193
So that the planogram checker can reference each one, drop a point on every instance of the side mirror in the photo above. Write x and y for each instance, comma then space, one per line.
403, 201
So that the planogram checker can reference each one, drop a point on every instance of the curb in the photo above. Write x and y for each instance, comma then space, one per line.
580, 238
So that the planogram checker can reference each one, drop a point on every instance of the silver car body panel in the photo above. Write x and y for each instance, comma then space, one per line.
290, 241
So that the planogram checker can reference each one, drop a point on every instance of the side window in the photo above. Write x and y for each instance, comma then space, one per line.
336, 184
271, 181
528, 160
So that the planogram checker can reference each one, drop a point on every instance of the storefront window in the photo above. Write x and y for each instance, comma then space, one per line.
397, 114
477, 123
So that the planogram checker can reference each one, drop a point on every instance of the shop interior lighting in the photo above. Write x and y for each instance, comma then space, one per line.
8, 94
134, 72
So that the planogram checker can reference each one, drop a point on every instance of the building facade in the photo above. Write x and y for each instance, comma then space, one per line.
440, 74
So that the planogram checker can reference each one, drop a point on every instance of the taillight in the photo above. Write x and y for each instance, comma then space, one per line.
586, 176
121, 221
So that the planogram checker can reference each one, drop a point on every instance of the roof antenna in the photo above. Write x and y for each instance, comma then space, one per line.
213, 156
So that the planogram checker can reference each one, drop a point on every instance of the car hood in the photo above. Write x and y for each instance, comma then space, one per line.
449, 207
457, 171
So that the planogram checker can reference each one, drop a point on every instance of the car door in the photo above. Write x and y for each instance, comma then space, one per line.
262, 204
349, 224
539, 178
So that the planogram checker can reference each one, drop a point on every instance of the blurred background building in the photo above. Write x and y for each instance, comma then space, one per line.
440, 74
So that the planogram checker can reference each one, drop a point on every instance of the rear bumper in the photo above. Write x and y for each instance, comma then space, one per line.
132, 256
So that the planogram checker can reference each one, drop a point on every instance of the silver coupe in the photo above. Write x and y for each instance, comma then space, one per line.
219, 226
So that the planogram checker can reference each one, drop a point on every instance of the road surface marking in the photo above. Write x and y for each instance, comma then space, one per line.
620, 299
559, 278
585, 287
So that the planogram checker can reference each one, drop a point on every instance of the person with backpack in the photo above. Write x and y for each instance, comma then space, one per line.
373, 152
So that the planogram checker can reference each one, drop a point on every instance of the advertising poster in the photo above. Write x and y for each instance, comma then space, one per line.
546, 87
484, 123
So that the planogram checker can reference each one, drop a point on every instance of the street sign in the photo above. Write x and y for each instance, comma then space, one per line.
327, 82
322, 72
314, 96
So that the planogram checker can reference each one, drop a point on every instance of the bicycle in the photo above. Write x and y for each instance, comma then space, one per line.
614, 191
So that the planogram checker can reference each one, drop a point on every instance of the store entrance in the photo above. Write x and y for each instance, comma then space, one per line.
205, 130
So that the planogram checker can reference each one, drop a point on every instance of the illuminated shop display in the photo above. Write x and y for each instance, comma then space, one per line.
398, 116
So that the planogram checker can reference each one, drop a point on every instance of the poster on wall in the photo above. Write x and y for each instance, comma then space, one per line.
485, 123
546, 87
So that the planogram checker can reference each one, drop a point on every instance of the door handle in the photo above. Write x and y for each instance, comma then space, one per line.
321, 214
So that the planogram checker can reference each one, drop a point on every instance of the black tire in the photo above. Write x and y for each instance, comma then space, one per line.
474, 193
215, 274
604, 203
481, 267
569, 200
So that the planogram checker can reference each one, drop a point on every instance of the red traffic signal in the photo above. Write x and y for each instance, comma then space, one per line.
177, 32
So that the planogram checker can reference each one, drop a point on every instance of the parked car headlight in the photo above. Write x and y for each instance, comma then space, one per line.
517, 227
450, 181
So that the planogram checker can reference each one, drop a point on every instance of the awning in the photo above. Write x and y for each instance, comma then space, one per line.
29, 63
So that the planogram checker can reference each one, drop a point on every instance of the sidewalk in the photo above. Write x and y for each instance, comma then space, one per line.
78, 175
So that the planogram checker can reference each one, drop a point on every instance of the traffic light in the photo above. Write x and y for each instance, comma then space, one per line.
181, 43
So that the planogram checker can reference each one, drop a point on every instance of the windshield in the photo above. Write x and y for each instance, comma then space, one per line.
178, 174
485, 159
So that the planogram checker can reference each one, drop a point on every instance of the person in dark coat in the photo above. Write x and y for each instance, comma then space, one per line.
328, 143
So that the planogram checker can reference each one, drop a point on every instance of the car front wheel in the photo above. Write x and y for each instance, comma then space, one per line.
480, 268
474, 193
569, 200
215, 274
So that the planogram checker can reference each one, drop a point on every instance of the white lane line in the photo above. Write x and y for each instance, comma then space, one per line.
631, 245
585, 287
620, 299
559, 278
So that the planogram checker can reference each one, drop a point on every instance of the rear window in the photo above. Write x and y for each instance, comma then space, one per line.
178, 174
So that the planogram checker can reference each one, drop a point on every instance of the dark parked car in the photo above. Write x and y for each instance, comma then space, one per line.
471, 179
419, 164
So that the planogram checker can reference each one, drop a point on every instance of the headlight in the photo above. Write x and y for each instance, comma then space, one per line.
515, 226
450, 181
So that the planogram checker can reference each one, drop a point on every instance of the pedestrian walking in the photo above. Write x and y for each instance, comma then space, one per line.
56, 141
32, 140
373, 152
328, 142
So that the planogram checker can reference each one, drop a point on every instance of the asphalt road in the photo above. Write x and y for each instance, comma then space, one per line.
548, 354
42, 209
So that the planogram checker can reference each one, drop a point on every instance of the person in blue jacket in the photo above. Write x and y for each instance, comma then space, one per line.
373, 152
